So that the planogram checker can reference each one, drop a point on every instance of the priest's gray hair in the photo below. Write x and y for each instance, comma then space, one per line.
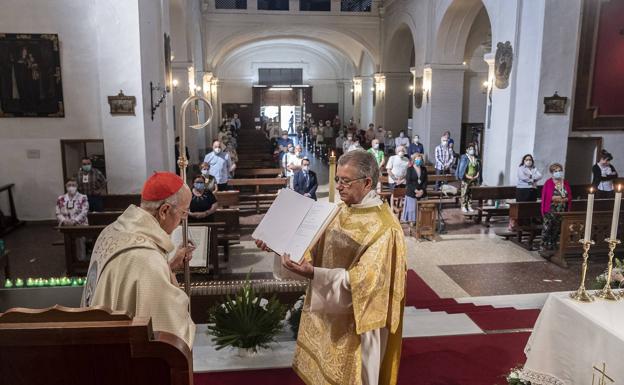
364, 162
153, 206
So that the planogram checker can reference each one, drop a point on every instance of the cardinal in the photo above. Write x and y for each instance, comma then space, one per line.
129, 269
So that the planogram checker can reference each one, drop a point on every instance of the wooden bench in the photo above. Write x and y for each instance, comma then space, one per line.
10, 222
258, 173
255, 155
228, 199
572, 230
231, 232
253, 164
486, 193
426, 219
61, 345
74, 266
103, 217
120, 202
262, 189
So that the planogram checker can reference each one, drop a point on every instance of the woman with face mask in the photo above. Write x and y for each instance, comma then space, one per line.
556, 198
72, 207
603, 176
203, 202
209, 180
416, 189
528, 176
469, 173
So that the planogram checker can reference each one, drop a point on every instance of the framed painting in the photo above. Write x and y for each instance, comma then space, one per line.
30, 76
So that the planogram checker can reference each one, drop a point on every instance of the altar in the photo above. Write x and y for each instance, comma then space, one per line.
576, 343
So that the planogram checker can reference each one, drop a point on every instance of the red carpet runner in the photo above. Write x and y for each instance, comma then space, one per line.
481, 359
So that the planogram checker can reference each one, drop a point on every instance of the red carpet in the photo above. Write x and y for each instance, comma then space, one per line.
456, 360
481, 359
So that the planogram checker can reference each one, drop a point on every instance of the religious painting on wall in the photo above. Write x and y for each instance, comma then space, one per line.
122, 104
502, 64
555, 104
30, 76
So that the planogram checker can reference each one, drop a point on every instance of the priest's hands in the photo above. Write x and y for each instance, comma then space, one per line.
182, 255
305, 269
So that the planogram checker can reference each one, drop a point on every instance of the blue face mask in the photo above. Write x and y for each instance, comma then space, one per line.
199, 186
86, 167
418, 162
558, 174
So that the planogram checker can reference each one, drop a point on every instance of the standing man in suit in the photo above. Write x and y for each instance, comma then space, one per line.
305, 182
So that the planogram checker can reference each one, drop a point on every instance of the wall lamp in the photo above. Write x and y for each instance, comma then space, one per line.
161, 94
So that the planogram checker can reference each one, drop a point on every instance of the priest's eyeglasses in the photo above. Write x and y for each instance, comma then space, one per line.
347, 182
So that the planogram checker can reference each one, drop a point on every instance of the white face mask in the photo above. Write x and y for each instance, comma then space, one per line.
416, 140
72, 190
305, 168
401, 153
349, 138
204, 172
217, 150
401, 134
444, 143
471, 151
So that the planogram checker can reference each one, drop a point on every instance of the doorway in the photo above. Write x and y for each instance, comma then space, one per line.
581, 156
72, 152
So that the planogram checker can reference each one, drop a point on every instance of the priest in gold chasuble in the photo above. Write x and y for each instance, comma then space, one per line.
351, 326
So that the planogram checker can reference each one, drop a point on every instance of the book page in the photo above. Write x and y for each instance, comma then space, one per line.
199, 236
310, 229
282, 220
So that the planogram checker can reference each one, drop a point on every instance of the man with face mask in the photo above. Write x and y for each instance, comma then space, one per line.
377, 153
220, 165
443, 159
92, 183
401, 140
415, 147
129, 269
304, 180
347, 143
292, 161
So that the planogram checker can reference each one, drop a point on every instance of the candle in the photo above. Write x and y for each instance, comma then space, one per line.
588, 216
332, 175
616, 213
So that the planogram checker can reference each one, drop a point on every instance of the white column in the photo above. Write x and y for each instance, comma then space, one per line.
443, 104
367, 108
395, 101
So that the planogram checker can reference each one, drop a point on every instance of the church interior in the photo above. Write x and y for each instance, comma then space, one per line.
506, 115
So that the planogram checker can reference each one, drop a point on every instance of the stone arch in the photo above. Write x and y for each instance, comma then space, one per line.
454, 28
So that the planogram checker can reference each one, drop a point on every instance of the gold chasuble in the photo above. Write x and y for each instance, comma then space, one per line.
368, 242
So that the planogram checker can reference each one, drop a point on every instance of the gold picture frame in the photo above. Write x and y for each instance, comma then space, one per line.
122, 104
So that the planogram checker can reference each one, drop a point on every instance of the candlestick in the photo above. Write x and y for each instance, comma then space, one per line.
581, 294
332, 176
606, 292
588, 216
616, 213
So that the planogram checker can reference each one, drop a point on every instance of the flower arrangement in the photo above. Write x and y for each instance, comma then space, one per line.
617, 277
246, 321
294, 315
513, 378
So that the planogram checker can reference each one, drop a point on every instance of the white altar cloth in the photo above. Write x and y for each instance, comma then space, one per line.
571, 337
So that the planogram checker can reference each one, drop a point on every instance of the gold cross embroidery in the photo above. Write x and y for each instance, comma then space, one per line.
603, 373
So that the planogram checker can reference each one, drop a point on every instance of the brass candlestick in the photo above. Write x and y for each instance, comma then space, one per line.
606, 292
581, 294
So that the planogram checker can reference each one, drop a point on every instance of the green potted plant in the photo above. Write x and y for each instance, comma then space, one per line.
246, 321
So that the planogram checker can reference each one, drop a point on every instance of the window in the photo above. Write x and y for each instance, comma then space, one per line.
231, 4
315, 5
273, 5
280, 76
356, 5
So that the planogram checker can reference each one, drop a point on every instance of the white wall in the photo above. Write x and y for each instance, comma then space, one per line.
100, 46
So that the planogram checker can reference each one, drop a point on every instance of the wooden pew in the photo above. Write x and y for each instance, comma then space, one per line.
485, 193
89, 346
263, 189
103, 217
572, 230
255, 155
228, 199
253, 164
231, 232
10, 222
75, 267
259, 173
120, 202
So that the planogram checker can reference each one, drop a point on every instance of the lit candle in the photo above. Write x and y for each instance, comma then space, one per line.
332, 175
588, 216
616, 213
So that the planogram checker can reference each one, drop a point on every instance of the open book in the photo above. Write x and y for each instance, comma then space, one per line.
199, 236
294, 223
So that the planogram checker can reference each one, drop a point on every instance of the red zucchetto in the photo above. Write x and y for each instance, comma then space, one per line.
161, 186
